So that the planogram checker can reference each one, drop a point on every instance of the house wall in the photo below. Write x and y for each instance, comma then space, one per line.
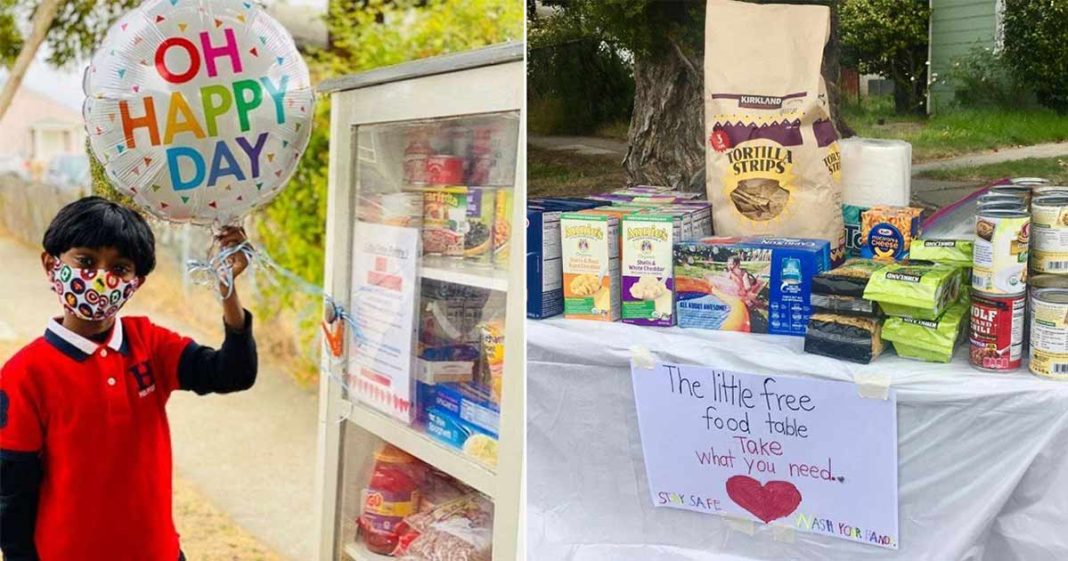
957, 26
30, 108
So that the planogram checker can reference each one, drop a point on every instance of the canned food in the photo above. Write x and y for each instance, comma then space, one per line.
1001, 251
999, 198
1030, 181
1002, 205
1039, 282
1049, 333
502, 227
1049, 230
996, 332
1040, 190
444, 170
1022, 191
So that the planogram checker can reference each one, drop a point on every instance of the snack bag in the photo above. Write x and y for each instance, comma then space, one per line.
957, 253
459, 530
913, 290
852, 338
930, 340
841, 290
772, 155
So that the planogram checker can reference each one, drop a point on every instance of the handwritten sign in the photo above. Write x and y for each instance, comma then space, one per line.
781, 450
384, 262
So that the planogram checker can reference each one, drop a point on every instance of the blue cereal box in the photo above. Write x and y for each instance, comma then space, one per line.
753, 284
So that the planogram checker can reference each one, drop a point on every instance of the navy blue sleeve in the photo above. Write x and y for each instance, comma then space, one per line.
20, 486
231, 368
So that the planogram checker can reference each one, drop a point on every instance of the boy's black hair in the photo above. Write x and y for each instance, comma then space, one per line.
95, 222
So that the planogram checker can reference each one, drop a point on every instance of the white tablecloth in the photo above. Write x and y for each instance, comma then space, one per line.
983, 457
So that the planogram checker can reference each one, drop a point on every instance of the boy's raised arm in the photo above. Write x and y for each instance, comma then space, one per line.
231, 368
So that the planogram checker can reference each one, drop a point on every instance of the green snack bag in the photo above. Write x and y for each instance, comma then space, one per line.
957, 253
925, 290
930, 340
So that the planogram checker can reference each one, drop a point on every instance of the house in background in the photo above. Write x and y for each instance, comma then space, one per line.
957, 27
37, 129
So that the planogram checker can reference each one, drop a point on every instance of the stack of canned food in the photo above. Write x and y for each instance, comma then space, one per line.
1021, 240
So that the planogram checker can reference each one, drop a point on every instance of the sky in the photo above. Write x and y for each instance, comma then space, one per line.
65, 85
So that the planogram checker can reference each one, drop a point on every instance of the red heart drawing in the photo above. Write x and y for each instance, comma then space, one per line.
768, 502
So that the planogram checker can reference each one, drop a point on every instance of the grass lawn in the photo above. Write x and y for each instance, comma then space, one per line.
563, 173
1055, 169
951, 133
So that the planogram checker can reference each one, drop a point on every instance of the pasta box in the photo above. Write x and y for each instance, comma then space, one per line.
545, 283
751, 284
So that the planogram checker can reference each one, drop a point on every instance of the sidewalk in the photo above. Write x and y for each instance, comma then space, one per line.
251, 454
1051, 150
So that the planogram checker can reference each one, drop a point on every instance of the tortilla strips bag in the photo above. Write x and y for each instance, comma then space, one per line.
772, 153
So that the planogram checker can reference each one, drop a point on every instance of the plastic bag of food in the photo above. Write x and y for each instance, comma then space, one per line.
957, 253
852, 338
930, 340
925, 290
772, 150
459, 530
841, 290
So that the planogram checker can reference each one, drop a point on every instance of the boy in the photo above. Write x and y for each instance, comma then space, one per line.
85, 451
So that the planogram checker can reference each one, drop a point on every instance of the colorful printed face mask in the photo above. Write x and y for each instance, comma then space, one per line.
91, 294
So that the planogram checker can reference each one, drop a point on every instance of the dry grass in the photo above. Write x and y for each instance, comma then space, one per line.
564, 173
208, 534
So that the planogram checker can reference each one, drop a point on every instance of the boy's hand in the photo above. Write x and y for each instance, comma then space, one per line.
231, 236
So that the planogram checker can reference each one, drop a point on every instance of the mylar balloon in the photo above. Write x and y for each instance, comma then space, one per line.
198, 109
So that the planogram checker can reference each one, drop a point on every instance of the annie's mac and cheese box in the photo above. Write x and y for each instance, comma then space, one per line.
648, 295
589, 242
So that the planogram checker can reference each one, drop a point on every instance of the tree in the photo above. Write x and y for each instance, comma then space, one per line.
1036, 48
889, 38
366, 34
666, 38
72, 29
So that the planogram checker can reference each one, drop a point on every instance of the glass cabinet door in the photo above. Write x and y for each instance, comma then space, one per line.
433, 205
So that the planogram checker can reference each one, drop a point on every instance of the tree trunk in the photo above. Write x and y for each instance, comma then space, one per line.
42, 21
666, 133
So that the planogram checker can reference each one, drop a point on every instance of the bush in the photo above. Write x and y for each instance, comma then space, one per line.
1036, 46
984, 79
576, 85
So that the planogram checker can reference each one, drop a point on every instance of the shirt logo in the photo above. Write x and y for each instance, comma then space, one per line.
146, 381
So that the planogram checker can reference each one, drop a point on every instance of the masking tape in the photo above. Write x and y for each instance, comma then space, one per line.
874, 385
641, 358
783, 534
743, 525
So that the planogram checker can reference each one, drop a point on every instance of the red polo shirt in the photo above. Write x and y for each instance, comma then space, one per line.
96, 413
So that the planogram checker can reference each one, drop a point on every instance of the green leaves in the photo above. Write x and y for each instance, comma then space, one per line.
1036, 46
889, 38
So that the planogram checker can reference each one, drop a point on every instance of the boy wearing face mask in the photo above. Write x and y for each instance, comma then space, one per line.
85, 451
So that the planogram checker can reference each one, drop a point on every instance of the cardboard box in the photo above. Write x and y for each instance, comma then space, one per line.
545, 294
757, 285
647, 285
590, 249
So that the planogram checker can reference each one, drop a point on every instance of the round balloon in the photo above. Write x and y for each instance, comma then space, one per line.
198, 109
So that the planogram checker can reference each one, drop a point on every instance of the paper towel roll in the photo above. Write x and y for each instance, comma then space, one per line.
876, 172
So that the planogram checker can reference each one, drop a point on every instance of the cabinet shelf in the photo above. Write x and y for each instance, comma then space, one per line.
453, 462
356, 551
463, 272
